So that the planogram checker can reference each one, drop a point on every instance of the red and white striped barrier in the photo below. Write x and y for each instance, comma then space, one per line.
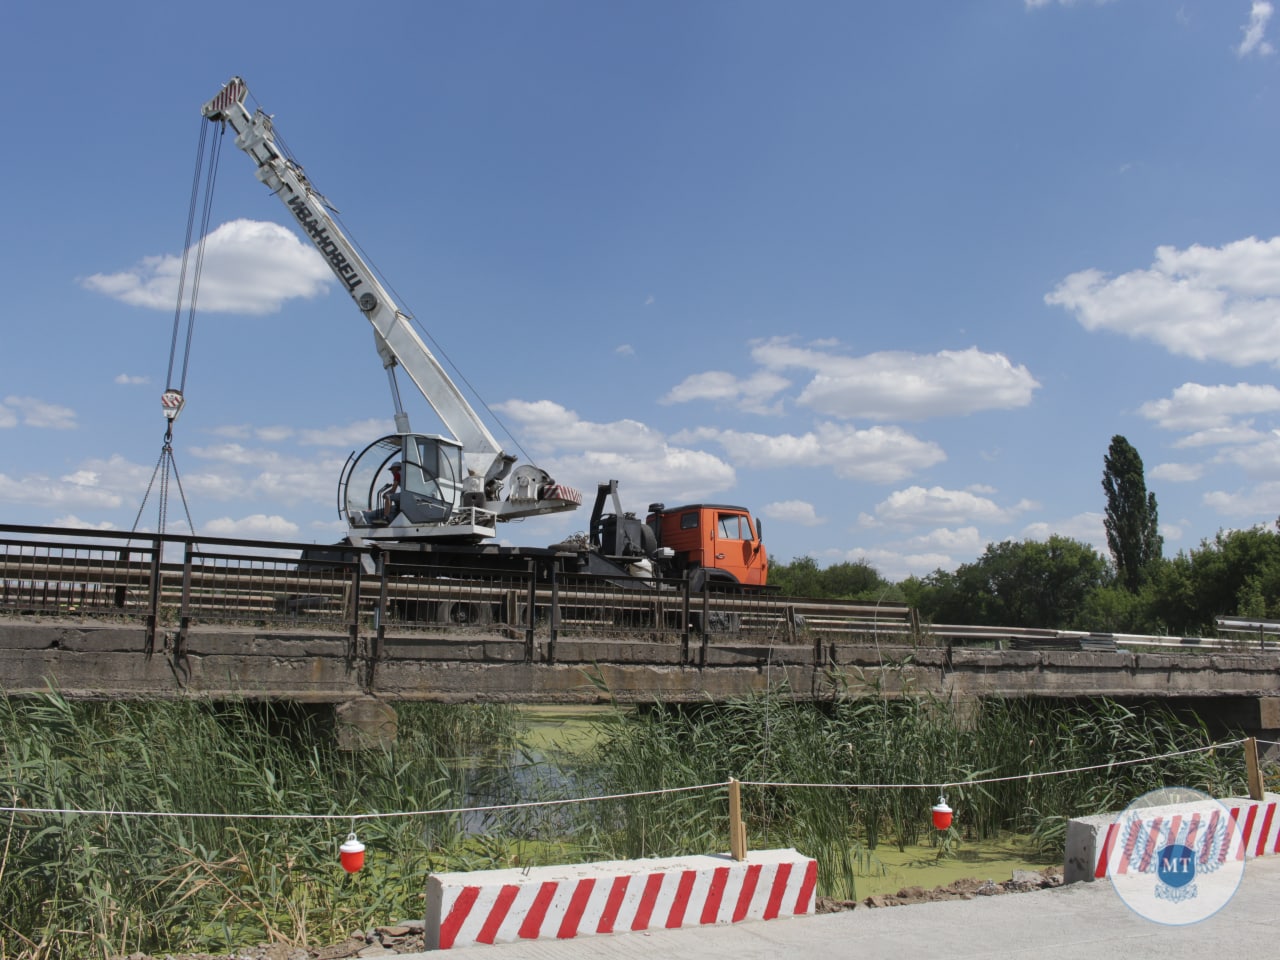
503, 906
1092, 841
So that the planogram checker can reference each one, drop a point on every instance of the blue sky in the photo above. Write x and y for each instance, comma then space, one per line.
890, 274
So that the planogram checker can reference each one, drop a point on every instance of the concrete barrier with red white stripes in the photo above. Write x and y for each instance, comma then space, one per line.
503, 906
1092, 841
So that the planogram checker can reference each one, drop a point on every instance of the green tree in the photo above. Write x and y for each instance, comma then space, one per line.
1132, 520
799, 578
1237, 573
853, 580
1028, 583
849, 580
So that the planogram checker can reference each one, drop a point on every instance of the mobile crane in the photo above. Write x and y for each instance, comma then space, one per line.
450, 487
450, 494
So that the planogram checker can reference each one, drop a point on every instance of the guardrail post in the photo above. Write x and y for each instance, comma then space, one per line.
184, 614
1253, 770
684, 619
153, 601
706, 626
380, 623
555, 614
353, 607
737, 828
531, 613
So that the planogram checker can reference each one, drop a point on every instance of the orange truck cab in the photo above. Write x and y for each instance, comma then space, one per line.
714, 543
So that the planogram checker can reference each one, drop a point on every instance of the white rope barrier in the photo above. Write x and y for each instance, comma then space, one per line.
354, 817
1020, 776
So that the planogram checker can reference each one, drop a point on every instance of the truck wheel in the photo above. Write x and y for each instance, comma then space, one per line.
464, 613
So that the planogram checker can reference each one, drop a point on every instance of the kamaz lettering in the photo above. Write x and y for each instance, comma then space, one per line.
327, 246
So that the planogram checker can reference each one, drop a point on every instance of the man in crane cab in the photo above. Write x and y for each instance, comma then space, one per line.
389, 495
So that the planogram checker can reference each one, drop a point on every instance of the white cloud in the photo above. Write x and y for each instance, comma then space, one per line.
1038, 4
877, 455
966, 541
918, 505
41, 490
237, 454
895, 565
940, 549
31, 412
1178, 472
669, 474
897, 385
1259, 459
250, 267
1208, 303
1241, 433
1258, 501
554, 427
1254, 40
1084, 527
751, 394
793, 511
75, 523
256, 527
1194, 406
649, 465
625, 350
355, 435
128, 379
235, 470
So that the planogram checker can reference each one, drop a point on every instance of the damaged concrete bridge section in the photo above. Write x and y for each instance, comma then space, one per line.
101, 660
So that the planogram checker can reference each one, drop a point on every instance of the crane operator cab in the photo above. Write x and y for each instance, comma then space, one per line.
413, 487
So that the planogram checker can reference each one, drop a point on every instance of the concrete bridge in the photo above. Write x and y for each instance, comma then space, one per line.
362, 676
98, 615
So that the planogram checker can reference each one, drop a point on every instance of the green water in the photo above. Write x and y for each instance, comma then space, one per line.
920, 866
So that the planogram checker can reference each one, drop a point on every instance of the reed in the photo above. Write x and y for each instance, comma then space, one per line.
79, 886
99, 886
896, 743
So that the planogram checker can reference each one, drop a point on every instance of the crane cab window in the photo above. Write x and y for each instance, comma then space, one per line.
689, 521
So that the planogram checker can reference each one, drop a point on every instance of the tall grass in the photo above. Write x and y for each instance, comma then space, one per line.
114, 883
894, 742
75, 885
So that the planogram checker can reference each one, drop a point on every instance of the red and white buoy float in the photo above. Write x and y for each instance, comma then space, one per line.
352, 854
941, 814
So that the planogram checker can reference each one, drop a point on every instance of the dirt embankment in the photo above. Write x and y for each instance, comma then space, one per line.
1022, 881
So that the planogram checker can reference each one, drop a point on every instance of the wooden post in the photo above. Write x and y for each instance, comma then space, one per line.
737, 829
1251, 764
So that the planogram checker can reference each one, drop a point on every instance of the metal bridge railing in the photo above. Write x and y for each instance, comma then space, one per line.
172, 582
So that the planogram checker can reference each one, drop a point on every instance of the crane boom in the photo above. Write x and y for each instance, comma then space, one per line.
397, 341
398, 344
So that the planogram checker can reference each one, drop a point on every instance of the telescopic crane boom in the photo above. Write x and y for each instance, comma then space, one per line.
451, 487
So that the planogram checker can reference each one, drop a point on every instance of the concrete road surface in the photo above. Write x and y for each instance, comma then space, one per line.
1083, 921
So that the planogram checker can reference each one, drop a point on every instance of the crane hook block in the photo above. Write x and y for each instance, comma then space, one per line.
172, 402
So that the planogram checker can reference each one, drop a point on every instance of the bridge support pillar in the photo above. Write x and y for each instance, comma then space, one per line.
364, 723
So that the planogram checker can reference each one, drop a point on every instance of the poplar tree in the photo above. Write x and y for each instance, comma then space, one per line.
1131, 520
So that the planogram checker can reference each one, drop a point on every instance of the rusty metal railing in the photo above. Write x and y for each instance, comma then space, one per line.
170, 583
